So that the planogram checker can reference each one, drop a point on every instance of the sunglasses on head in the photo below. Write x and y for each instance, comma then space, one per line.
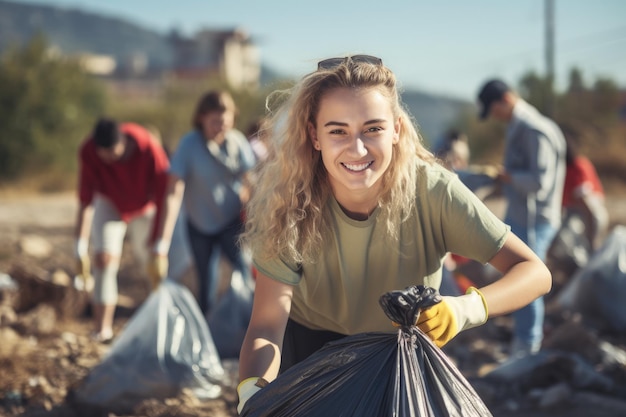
335, 62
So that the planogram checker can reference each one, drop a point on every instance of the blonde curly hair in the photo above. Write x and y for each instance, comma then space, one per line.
286, 216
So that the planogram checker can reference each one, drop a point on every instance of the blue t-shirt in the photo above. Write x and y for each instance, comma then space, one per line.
213, 176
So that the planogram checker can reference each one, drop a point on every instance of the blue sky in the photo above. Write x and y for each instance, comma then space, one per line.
440, 46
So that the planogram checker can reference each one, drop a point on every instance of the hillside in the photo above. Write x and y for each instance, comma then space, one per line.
73, 31
434, 114
78, 30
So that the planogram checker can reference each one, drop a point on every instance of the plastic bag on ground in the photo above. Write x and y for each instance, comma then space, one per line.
179, 256
164, 348
400, 374
599, 288
570, 248
229, 321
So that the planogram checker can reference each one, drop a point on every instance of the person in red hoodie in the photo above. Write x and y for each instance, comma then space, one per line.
122, 180
583, 195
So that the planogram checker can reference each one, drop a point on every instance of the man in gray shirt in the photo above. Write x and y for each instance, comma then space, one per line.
532, 178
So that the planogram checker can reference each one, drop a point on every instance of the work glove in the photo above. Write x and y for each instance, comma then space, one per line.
446, 319
247, 388
157, 269
83, 265
83, 268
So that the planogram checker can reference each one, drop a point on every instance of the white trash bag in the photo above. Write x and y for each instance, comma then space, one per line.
229, 321
164, 348
598, 290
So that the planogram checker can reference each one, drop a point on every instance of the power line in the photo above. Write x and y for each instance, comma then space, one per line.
564, 48
611, 33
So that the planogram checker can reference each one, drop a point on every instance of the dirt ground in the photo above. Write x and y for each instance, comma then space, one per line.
41, 363
43, 355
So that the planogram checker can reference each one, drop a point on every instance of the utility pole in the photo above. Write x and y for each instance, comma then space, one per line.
549, 51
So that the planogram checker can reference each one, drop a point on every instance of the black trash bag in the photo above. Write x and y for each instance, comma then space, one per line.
570, 249
401, 374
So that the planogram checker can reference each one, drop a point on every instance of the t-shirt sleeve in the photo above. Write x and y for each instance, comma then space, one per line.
470, 228
248, 160
178, 163
245, 154
279, 270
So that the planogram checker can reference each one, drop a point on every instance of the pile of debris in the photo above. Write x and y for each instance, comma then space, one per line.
49, 363
46, 354
581, 369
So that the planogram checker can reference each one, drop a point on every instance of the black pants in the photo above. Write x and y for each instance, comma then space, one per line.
301, 342
204, 248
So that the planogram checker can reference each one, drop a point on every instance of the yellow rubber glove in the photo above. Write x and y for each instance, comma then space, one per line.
157, 269
247, 388
83, 268
83, 264
452, 315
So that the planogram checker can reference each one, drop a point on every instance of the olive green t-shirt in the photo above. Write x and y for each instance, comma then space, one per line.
340, 290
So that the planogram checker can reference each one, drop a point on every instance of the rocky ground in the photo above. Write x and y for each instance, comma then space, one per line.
45, 349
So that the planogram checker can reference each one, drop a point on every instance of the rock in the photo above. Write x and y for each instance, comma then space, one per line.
8, 290
7, 316
39, 392
600, 403
11, 341
60, 277
39, 321
37, 286
555, 395
69, 338
548, 368
35, 246
573, 336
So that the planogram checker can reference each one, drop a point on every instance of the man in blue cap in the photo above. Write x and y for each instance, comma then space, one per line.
532, 179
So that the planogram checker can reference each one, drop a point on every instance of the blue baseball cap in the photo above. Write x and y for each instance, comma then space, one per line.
492, 90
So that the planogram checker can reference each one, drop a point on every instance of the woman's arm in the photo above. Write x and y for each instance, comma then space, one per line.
261, 350
525, 278
171, 207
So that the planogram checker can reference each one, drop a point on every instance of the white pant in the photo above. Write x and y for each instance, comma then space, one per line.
108, 232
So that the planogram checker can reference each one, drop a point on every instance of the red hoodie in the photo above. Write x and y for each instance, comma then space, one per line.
133, 185
580, 172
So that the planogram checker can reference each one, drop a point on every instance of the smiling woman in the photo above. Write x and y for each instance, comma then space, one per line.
357, 134
350, 205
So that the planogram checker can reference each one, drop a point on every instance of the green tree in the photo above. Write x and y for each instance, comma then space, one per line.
537, 90
47, 104
576, 83
170, 110
606, 101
